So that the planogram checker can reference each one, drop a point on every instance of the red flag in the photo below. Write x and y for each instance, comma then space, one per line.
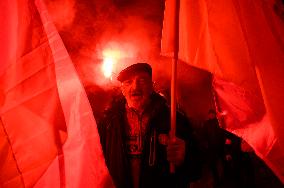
32, 122
242, 44
48, 133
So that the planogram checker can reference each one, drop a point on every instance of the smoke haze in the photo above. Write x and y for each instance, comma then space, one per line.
133, 27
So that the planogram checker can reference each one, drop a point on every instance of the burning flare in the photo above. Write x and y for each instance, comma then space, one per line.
110, 59
107, 66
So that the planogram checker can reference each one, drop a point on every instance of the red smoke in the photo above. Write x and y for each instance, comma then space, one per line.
88, 28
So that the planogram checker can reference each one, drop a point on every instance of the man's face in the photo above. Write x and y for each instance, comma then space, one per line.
137, 90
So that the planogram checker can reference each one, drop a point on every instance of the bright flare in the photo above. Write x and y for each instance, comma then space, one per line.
111, 57
107, 66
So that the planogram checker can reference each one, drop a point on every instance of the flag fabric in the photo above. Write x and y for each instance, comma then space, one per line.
32, 122
48, 135
241, 43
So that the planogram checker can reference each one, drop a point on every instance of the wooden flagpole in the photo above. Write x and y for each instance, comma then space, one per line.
174, 77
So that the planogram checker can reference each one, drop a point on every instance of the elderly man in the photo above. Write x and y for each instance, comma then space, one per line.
134, 136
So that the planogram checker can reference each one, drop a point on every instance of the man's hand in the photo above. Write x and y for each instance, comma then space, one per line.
176, 151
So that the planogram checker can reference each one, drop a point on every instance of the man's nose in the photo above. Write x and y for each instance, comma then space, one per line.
135, 83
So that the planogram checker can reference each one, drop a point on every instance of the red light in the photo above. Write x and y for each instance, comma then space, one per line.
110, 59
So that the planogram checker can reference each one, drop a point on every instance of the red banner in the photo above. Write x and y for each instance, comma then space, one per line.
242, 44
48, 133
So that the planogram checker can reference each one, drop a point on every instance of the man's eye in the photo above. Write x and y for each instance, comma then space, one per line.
127, 82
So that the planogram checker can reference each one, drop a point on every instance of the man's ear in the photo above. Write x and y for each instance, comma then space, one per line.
122, 90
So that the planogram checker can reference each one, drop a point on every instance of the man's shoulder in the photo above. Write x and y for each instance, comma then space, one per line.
117, 105
113, 112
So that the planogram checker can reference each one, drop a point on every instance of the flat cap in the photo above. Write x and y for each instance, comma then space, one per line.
133, 69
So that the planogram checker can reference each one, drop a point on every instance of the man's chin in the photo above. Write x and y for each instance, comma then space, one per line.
136, 104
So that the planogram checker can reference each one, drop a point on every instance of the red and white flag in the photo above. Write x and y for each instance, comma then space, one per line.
48, 135
242, 44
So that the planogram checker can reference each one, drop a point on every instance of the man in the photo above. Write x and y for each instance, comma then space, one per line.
134, 136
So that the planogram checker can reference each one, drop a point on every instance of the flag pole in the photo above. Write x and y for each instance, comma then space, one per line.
174, 77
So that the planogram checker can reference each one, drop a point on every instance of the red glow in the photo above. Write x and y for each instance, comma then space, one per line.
110, 59
113, 60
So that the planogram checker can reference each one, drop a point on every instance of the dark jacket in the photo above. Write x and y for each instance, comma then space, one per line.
112, 135
215, 140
